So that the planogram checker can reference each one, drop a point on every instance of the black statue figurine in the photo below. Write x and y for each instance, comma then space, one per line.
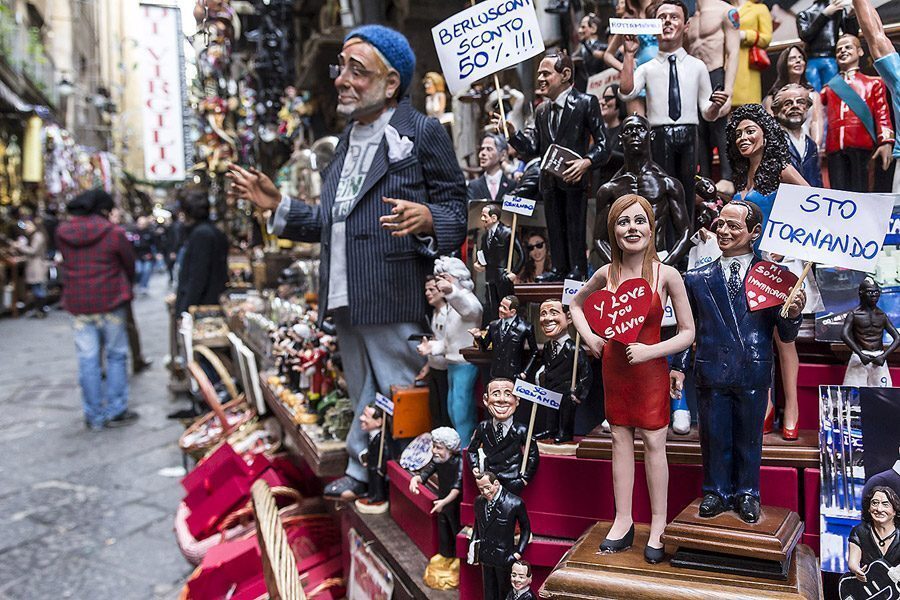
641, 176
375, 460
495, 248
863, 332
507, 337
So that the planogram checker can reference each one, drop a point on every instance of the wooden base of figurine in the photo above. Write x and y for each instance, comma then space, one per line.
726, 544
554, 449
372, 508
442, 573
584, 573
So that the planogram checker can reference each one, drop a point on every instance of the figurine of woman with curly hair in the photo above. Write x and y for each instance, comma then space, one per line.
760, 162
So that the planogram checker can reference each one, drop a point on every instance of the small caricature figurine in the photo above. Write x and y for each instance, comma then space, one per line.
875, 540
520, 579
497, 512
495, 250
552, 369
507, 337
863, 333
442, 572
819, 26
374, 458
501, 440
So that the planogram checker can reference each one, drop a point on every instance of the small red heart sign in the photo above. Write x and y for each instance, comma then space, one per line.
768, 285
619, 315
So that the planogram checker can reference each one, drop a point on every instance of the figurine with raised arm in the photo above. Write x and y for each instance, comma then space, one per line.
820, 26
497, 512
507, 337
446, 462
520, 580
863, 332
643, 177
499, 442
552, 369
375, 460
636, 377
494, 250
733, 364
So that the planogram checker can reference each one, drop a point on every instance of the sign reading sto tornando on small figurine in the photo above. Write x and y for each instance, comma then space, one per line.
619, 315
834, 227
486, 38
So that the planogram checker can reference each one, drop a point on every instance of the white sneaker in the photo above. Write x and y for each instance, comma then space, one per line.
681, 422
605, 426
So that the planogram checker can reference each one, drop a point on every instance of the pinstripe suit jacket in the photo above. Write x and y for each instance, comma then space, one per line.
386, 274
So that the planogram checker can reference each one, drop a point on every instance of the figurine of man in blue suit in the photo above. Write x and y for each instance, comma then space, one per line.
733, 365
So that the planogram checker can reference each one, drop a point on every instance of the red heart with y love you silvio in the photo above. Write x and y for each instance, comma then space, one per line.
768, 285
619, 315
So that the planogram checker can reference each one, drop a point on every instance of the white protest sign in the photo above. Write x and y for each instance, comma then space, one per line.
635, 26
486, 38
835, 227
521, 206
537, 394
602, 80
384, 403
570, 288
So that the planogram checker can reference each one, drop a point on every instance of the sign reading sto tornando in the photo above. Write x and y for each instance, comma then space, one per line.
162, 92
834, 227
486, 38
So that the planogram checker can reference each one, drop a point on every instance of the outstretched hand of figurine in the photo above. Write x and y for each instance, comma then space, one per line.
676, 384
497, 122
595, 344
407, 218
440, 504
253, 185
883, 156
414, 484
797, 305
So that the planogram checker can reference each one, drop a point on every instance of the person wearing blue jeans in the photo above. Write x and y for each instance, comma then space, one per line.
143, 270
103, 401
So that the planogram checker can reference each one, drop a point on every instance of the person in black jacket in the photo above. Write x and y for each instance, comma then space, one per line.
447, 463
520, 579
495, 248
502, 440
573, 120
375, 460
493, 184
204, 269
820, 26
497, 511
507, 338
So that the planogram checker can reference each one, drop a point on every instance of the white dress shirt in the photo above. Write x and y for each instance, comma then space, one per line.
493, 182
743, 260
506, 424
693, 83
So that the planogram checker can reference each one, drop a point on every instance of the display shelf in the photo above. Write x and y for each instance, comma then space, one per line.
685, 449
326, 460
537, 292
395, 548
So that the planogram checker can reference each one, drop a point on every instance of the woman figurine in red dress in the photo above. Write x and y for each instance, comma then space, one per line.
636, 376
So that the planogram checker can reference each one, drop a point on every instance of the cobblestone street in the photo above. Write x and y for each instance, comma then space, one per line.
85, 514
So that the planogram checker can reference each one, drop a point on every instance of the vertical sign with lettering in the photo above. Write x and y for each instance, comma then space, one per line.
162, 92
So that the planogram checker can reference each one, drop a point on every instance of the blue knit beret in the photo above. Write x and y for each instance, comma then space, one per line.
393, 45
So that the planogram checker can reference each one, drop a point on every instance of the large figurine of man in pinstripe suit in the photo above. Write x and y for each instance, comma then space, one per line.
393, 198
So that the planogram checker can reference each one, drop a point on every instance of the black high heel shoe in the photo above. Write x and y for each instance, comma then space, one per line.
654, 555
623, 543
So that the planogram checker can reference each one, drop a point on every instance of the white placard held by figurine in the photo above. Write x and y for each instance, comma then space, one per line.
570, 288
519, 206
635, 26
384, 403
486, 38
537, 394
835, 227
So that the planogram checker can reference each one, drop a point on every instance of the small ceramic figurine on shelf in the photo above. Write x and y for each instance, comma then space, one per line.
375, 460
733, 366
493, 183
494, 252
552, 369
520, 580
507, 337
498, 443
636, 376
877, 538
863, 332
819, 26
442, 572
435, 95
497, 512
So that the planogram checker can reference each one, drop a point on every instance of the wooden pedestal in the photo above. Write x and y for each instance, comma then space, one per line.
584, 573
726, 544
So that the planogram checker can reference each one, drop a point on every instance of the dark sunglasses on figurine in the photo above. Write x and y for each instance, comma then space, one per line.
530, 247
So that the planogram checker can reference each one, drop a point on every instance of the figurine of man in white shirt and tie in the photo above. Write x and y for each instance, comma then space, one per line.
678, 93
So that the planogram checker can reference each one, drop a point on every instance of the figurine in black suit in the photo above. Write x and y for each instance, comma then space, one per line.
497, 511
572, 120
447, 463
552, 369
507, 338
494, 183
502, 440
520, 579
376, 500
495, 247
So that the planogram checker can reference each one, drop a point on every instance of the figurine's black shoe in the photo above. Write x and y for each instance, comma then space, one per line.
654, 555
562, 438
623, 543
748, 508
550, 276
712, 505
